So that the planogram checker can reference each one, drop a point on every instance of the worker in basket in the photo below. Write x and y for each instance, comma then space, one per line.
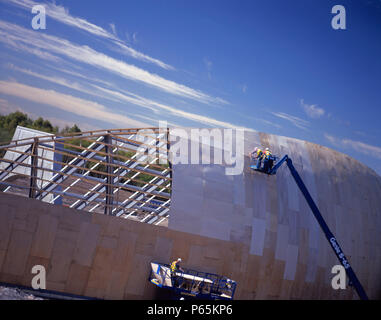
268, 160
257, 154
175, 267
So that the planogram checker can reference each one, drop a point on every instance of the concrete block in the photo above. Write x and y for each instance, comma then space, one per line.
6, 220
281, 244
18, 252
77, 279
215, 228
124, 251
2, 257
291, 262
61, 259
163, 249
43, 239
117, 285
258, 236
138, 275
87, 243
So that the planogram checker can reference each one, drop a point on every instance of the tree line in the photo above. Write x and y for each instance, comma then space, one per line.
9, 123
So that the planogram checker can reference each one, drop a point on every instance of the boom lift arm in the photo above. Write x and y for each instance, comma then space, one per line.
328, 234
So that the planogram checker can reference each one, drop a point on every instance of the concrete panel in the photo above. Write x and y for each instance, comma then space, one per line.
215, 228
291, 262
87, 244
6, 221
258, 236
17, 253
44, 237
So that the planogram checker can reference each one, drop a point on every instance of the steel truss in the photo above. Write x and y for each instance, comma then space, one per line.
120, 172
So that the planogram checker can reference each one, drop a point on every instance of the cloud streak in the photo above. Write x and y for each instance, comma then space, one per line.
61, 81
156, 107
62, 15
297, 122
357, 146
312, 110
95, 110
68, 103
15, 35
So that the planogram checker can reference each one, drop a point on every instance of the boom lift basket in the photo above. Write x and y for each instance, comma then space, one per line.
192, 283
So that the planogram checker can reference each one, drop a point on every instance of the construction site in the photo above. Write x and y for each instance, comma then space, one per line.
106, 212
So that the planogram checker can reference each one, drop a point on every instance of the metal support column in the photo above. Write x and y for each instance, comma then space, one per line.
109, 178
168, 155
33, 169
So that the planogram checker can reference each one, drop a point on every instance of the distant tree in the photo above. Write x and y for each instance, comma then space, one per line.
73, 129
9, 123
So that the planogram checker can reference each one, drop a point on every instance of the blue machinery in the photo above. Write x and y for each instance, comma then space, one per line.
328, 234
191, 283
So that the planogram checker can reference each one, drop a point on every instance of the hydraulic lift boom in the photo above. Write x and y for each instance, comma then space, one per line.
328, 234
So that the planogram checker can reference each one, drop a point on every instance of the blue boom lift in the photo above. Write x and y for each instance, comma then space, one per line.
271, 170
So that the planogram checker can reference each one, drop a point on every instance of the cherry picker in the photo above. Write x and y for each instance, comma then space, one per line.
353, 280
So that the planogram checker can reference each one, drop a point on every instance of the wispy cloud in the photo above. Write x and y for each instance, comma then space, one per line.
297, 122
32, 50
270, 123
7, 107
88, 78
312, 110
156, 107
16, 35
68, 103
61, 81
244, 88
135, 37
208, 65
333, 140
97, 111
62, 15
113, 29
357, 146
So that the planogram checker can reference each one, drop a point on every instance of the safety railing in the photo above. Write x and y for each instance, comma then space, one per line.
199, 284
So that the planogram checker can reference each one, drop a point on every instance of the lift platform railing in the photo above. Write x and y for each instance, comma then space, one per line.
198, 284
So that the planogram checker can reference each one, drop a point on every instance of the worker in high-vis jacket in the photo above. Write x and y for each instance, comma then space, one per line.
257, 154
175, 266
267, 160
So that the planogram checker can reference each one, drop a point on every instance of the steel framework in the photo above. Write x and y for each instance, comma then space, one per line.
120, 172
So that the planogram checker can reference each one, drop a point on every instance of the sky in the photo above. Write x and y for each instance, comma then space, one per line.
273, 66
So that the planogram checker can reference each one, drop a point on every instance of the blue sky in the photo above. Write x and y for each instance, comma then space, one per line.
273, 66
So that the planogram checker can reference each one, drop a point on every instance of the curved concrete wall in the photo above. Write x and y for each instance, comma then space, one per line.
288, 253
253, 228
